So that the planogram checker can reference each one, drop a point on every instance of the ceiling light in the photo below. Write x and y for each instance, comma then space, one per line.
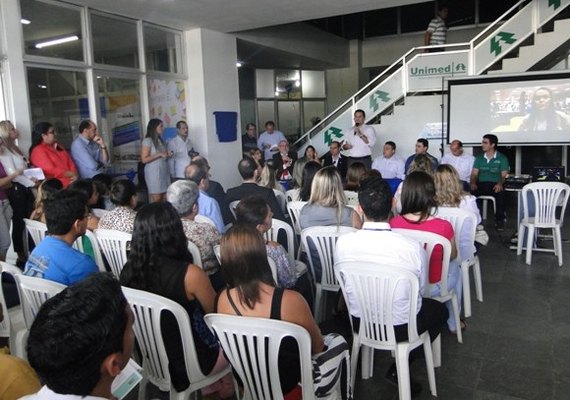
238, 64
25, 21
54, 42
42, 86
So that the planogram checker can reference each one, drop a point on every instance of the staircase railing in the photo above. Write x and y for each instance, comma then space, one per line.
418, 71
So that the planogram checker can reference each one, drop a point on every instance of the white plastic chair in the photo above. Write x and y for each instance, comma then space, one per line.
323, 240
37, 230
294, 209
113, 245
484, 202
292, 195
252, 347
278, 226
281, 199
148, 308
78, 244
204, 220
374, 288
464, 226
195, 251
99, 212
351, 198
13, 326
547, 196
33, 293
233, 205
429, 241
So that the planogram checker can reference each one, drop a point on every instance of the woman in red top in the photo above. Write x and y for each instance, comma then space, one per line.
418, 206
51, 157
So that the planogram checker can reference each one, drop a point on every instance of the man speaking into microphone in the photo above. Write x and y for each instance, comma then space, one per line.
359, 140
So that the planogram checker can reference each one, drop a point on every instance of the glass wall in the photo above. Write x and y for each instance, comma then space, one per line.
62, 75
294, 99
52, 31
106, 48
59, 97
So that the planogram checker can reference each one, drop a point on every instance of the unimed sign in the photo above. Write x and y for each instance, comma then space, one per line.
425, 71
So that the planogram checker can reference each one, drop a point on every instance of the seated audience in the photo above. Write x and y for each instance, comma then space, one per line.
160, 263
418, 209
50, 156
254, 211
390, 165
353, 175
335, 158
207, 206
377, 243
215, 189
449, 193
420, 163
183, 195
124, 198
252, 293
103, 183
284, 161
461, 161
54, 258
308, 174
81, 339
327, 204
268, 178
298, 172
46, 189
422, 147
310, 155
89, 190
257, 156
248, 171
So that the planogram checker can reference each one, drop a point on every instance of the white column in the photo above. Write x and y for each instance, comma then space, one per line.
14, 74
213, 86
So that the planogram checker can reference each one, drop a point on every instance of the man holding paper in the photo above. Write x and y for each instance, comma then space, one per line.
89, 151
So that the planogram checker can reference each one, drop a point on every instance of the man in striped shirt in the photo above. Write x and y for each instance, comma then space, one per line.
436, 33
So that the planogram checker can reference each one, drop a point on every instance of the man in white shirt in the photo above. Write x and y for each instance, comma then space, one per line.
269, 140
81, 339
389, 164
377, 243
462, 162
360, 140
180, 147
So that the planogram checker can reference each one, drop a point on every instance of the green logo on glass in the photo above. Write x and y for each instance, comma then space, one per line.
449, 69
554, 3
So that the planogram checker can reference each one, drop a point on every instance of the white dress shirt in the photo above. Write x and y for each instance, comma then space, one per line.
180, 158
463, 164
390, 168
377, 243
359, 148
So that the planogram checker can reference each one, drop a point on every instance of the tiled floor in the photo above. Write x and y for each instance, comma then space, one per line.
517, 344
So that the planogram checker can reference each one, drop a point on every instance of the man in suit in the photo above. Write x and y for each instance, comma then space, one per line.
333, 157
248, 171
284, 161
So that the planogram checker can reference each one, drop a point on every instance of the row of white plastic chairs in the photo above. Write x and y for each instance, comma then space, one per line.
256, 340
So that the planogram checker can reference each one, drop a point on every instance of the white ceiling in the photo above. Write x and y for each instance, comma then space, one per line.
234, 15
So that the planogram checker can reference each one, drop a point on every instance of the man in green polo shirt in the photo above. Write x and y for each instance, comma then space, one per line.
488, 176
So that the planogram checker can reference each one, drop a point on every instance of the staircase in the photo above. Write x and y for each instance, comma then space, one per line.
419, 72
544, 45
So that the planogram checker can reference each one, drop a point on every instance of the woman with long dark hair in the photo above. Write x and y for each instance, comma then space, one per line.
252, 293
160, 263
418, 209
52, 158
154, 156
309, 171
